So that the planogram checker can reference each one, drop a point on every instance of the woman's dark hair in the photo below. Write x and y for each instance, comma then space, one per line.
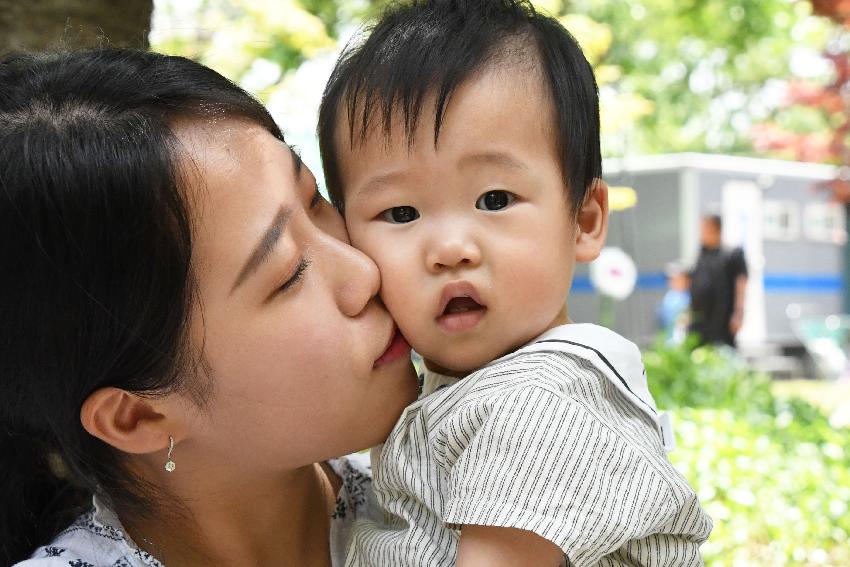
427, 47
96, 285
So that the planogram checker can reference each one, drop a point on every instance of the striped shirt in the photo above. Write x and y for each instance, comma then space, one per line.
560, 438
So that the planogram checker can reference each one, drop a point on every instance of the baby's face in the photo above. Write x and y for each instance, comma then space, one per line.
474, 239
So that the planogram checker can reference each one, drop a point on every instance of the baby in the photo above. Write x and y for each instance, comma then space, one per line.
461, 142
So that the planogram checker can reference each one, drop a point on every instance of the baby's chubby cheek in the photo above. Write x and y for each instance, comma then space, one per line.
401, 290
408, 304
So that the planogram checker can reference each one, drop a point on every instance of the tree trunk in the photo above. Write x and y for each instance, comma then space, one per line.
31, 25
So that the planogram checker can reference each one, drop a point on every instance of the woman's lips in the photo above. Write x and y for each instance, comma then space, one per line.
397, 348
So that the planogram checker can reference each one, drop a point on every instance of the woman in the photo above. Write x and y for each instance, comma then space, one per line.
185, 330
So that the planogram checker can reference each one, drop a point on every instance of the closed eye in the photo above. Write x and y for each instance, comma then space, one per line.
317, 197
296, 276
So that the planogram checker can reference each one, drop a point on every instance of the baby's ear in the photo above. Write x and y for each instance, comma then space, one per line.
592, 223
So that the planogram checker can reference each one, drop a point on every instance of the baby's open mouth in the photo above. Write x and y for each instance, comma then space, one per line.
462, 305
461, 308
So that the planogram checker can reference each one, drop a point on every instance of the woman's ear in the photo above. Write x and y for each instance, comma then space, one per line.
128, 422
592, 223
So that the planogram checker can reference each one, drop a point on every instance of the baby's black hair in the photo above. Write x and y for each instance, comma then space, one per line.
430, 47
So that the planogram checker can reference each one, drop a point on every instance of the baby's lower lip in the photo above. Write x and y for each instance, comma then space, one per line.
458, 322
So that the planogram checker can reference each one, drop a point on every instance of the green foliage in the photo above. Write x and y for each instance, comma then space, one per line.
247, 39
773, 503
687, 376
674, 76
326, 10
705, 64
772, 472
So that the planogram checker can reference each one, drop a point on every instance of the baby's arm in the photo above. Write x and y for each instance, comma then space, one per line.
536, 460
488, 546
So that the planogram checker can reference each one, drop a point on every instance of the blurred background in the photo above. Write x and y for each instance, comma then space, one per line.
735, 110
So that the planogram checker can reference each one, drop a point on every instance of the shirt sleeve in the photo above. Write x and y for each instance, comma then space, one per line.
543, 462
738, 263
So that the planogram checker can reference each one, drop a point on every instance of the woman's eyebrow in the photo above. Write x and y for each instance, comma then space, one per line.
264, 247
297, 163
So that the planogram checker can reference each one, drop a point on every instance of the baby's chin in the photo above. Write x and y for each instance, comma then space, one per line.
465, 353
444, 370
462, 364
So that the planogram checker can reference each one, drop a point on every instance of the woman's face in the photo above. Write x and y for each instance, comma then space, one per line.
300, 353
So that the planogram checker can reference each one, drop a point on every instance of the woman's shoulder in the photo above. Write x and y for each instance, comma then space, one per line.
355, 496
81, 544
90, 542
355, 501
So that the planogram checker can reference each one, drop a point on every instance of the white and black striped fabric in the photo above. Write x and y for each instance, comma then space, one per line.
560, 438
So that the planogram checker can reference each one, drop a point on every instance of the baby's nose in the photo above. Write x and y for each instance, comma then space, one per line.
452, 252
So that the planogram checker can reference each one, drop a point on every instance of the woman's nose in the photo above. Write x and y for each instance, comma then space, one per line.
354, 277
359, 280
451, 251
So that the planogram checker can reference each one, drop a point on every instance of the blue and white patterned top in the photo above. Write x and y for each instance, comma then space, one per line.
97, 538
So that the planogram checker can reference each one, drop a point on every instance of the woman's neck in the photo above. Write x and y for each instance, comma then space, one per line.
277, 521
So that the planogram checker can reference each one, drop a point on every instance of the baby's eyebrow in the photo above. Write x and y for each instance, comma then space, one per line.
374, 184
497, 158
503, 159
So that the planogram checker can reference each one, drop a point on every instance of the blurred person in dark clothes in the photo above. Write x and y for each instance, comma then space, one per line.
718, 285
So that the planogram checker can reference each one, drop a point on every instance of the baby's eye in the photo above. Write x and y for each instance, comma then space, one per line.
495, 200
400, 215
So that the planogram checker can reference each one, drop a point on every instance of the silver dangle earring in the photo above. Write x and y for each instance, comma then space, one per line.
169, 464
